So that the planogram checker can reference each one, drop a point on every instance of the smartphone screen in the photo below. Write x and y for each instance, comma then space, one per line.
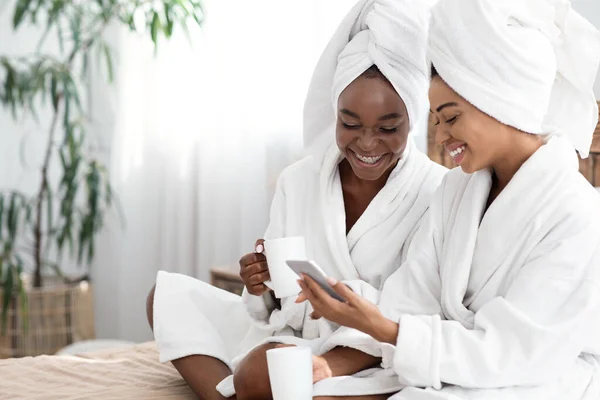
311, 269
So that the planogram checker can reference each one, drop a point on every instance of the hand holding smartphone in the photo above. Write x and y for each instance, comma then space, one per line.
311, 269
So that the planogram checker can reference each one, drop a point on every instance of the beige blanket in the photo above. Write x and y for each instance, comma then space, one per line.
133, 373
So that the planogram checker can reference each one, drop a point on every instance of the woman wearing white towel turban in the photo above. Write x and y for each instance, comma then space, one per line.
357, 200
500, 295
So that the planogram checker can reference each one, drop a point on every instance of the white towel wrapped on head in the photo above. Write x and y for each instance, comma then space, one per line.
391, 34
529, 64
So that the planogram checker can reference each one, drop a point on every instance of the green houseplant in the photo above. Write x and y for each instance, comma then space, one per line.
68, 212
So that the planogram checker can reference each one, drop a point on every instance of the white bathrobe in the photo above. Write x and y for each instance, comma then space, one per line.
504, 303
372, 250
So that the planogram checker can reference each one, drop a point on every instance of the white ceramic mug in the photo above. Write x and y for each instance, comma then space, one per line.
278, 251
290, 373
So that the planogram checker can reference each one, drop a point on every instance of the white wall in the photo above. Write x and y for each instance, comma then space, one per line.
105, 275
590, 9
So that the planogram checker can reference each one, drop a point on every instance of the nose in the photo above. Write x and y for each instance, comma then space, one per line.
367, 141
441, 134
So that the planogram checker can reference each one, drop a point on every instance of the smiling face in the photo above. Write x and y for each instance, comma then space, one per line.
473, 139
372, 125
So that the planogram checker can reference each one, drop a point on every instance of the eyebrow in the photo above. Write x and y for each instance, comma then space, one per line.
383, 118
440, 108
390, 116
350, 113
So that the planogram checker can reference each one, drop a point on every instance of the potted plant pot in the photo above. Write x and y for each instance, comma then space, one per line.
48, 318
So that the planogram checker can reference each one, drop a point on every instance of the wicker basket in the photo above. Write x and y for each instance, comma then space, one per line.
58, 315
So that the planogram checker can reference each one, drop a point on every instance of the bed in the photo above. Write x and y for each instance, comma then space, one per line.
131, 373
120, 373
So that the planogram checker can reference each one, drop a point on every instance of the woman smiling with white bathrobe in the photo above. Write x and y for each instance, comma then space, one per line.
500, 295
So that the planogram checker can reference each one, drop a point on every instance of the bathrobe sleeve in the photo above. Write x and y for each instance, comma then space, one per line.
528, 336
263, 309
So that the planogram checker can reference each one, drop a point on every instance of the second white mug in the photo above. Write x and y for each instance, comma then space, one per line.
290, 373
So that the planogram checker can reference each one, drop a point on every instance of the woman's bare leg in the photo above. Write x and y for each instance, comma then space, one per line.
201, 373
150, 307
251, 378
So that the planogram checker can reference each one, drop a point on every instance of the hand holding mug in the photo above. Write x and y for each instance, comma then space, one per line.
260, 276
254, 270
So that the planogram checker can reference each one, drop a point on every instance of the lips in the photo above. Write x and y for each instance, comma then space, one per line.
453, 146
457, 151
371, 160
367, 160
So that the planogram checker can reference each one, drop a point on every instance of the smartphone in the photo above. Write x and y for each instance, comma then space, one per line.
311, 269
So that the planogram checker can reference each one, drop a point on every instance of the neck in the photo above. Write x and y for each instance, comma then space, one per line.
507, 166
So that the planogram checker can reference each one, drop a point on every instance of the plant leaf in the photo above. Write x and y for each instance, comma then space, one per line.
61, 40
28, 211
198, 13
54, 92
49, 214
169, 20
108, 193
90, 255
82, 242
55, 268
1, 218
70, 87
51, 20
20, 11
70, 240
7, 291
23, 298
109, 61
12, 217
154, 28
85, 65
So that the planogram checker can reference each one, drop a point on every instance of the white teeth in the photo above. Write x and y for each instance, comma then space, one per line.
457, 151
368, 160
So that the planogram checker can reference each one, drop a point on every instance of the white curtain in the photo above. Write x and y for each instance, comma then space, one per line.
198, 135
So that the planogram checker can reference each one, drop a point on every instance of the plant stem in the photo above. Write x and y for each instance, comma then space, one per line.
37, 233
